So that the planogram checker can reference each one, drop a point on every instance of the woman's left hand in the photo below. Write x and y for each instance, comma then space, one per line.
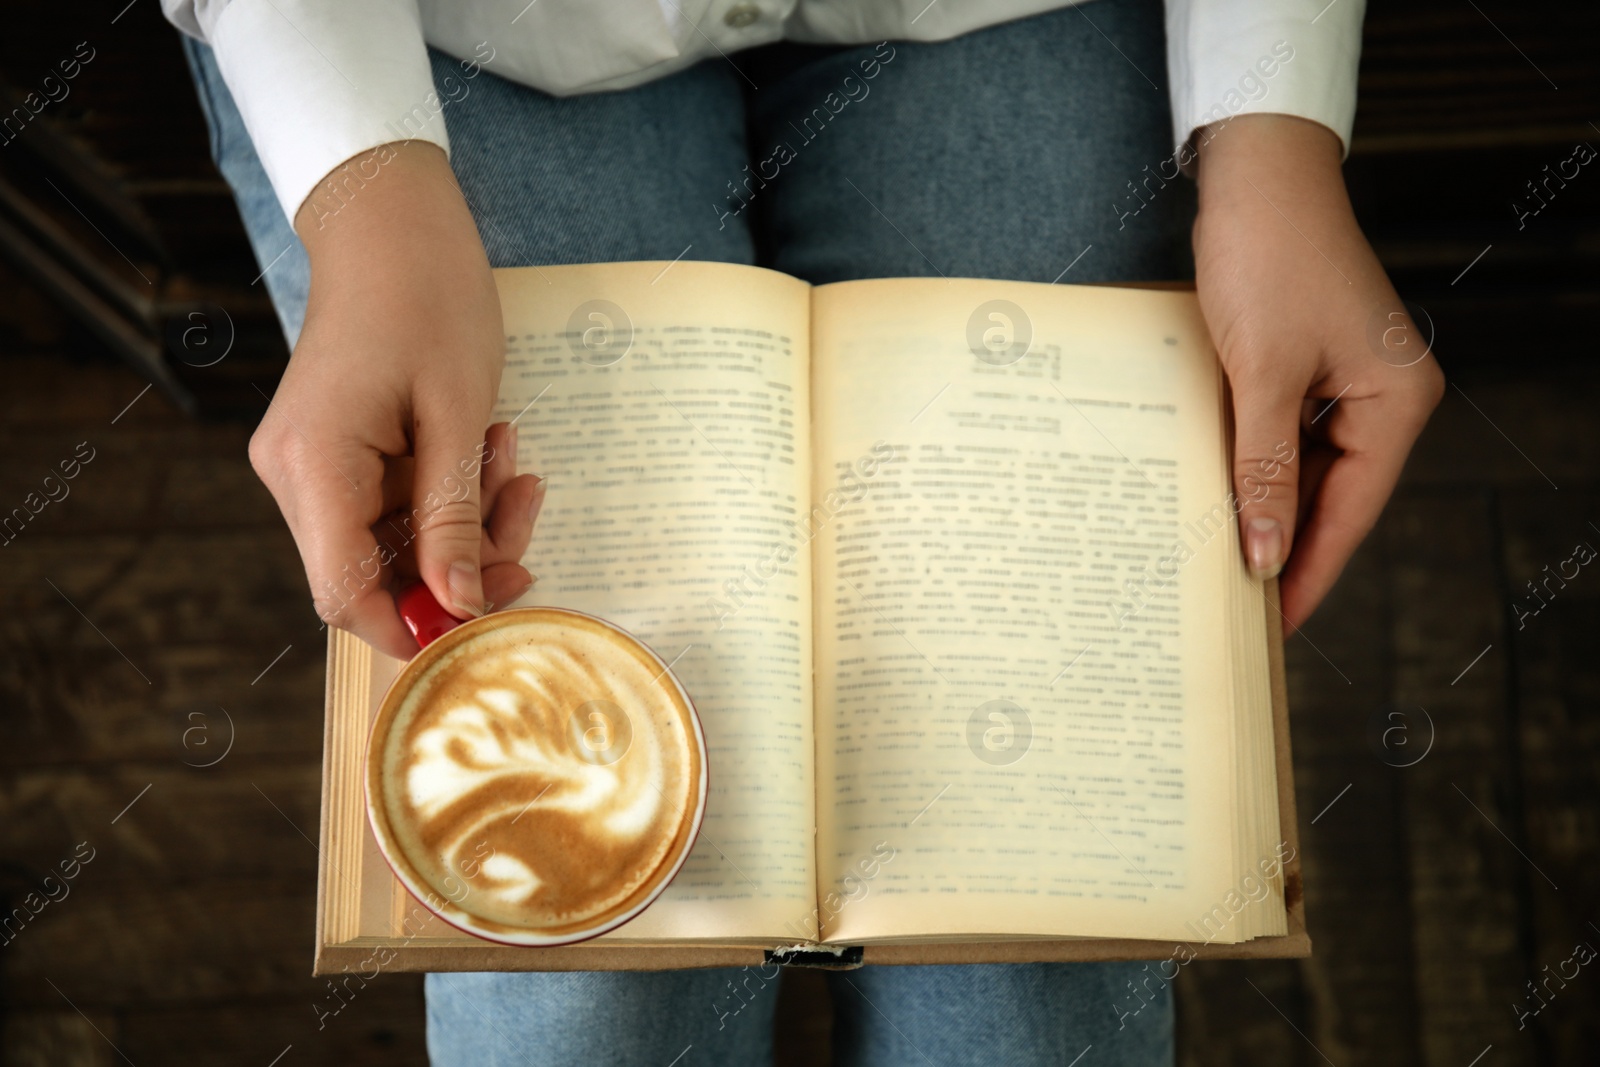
1331, 380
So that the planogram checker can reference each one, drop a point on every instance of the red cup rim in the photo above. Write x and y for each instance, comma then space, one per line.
530, 939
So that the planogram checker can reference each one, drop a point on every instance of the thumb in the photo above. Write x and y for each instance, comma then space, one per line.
1266, 472
450, 452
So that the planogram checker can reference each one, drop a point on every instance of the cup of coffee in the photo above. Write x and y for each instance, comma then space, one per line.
536, 776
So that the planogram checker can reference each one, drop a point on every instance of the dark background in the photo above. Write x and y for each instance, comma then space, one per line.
160, 610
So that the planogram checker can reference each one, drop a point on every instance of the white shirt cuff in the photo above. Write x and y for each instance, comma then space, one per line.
1288, 57
319, 83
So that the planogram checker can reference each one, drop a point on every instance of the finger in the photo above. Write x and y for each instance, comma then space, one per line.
1265, 472
377, 622
505, 582
511, 525
445, 493
500, 464
327, 494
504, 579
398, 527
1376, 434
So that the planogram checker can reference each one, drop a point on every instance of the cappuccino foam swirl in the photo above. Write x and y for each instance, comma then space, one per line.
539, 774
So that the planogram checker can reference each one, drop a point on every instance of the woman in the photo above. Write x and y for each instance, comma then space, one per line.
1024, 139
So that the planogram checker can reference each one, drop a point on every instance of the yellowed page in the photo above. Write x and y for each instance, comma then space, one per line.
667, 405
1024, 690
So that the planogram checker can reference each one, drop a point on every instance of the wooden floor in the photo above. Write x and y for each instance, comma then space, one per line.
161, 670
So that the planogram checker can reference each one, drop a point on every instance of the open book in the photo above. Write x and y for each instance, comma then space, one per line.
951, 571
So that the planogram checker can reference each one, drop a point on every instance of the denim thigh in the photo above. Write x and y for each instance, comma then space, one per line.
1009, 152
1026, 1014
630, 1019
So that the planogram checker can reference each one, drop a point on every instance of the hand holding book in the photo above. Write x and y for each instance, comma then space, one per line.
1317, 346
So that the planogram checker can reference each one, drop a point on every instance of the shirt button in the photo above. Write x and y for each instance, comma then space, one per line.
741, 15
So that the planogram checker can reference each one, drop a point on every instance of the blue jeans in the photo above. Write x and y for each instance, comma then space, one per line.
1023, 151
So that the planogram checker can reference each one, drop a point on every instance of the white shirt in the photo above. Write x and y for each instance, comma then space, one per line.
321, 81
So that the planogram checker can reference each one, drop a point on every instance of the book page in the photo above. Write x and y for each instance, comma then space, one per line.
1023, 669
667, 406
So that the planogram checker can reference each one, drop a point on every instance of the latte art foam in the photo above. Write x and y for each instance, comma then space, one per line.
540, 774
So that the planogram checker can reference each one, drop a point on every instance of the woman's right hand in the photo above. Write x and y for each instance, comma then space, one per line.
376, 445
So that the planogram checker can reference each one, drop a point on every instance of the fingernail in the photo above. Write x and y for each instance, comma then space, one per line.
511, 441
1263, 547
537, 503
466, 587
